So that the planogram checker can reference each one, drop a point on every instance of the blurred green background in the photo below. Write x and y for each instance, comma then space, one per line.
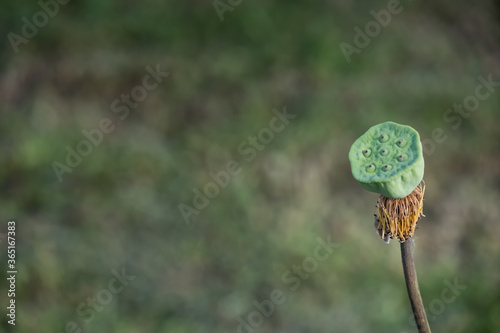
119, 208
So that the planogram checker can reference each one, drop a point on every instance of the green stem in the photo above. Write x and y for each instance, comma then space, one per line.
412, 287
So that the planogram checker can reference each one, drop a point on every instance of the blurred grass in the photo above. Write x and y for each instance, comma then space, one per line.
119, 208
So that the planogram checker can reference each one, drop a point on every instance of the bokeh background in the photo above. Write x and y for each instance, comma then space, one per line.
119, 208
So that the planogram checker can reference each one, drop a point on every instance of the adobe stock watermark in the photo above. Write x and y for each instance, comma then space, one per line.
50, 8
222, 6
436, 307
96, 304
222, 178
121, 107
371, 30
460, 111
292, 280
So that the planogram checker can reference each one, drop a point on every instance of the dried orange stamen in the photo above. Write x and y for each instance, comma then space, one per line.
398, 218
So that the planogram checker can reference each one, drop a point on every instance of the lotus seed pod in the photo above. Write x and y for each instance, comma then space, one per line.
388, 160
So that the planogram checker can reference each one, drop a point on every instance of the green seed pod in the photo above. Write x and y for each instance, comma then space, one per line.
388, 160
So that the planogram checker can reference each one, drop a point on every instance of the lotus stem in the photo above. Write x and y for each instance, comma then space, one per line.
412, 286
